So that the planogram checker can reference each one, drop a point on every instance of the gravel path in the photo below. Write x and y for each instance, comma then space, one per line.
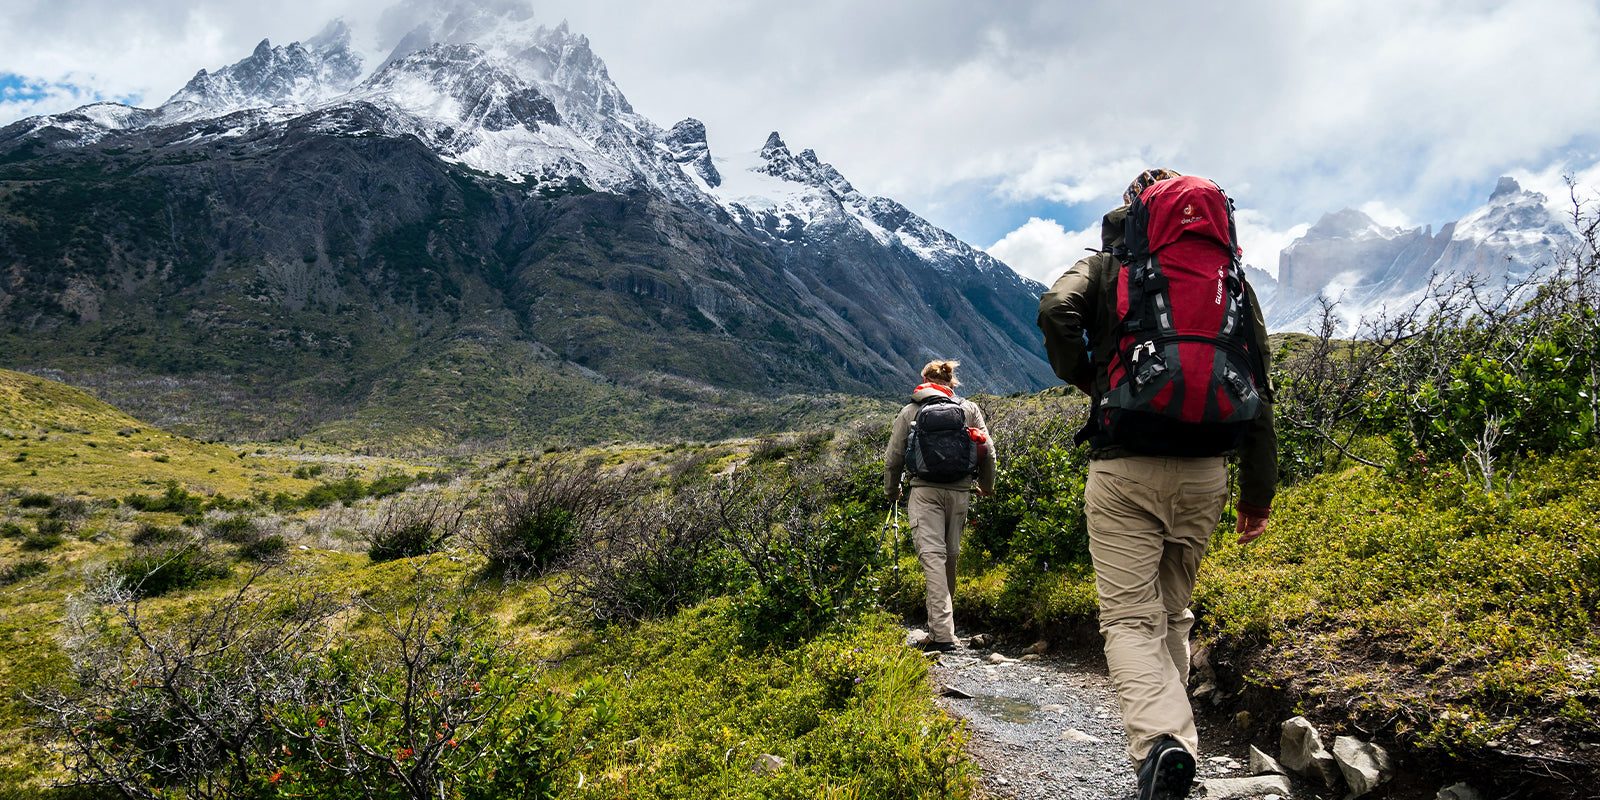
1046, 726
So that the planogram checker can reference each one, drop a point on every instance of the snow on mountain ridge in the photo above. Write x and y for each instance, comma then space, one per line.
299, 74
1367, 267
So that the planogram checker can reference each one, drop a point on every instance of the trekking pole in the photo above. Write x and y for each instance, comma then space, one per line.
891, 533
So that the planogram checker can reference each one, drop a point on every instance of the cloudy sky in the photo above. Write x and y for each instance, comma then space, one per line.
1013, 124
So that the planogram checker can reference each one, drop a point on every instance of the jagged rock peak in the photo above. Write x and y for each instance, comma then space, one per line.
686, 141
1506, 187
805, 168
322, 67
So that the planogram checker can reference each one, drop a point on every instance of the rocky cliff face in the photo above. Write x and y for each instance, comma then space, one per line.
1367, 267
483, 222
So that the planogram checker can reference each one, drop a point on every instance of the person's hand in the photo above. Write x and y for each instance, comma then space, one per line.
984, 492
1252, 523
894, 498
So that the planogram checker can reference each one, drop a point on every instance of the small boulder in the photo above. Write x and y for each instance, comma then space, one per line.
1254, 786
1075, 735
1460, 791
1244, 721
1365, 765
767, 764
1038, 647
1029, 657
1263, 764
1301, 750
996, 658
980, 641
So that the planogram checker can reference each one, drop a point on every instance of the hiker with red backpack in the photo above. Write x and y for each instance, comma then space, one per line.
941, 442
1164, 334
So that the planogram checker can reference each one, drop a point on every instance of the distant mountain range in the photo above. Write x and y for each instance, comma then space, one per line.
1367, 267
476, 239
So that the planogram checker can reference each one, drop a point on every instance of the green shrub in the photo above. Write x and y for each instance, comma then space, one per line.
849, 711
265, 549
410, 529
148, 534
236, 529
19, 571
537, 522
35, 500
11, 530
175, 499
155, 571
49, 534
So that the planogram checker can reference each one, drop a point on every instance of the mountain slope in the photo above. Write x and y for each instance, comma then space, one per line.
322, 254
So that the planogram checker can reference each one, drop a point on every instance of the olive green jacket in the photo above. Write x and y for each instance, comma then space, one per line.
1085, 299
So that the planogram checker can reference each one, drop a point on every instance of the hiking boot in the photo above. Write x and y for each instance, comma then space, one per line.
1167, 772
935, 646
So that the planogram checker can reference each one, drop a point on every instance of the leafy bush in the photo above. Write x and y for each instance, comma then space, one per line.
250, 697
1036, 513
11, 530
414, 528
49, 534
265, 549
647, 559
530, 526
148, 534
175, 499
35, 500
19, 571
159, 570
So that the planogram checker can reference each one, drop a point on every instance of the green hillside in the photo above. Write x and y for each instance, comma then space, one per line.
59, 440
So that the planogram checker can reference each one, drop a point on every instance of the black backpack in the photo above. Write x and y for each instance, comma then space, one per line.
939, 449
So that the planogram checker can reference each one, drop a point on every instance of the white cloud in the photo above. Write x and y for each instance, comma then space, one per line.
1296, 108
1261, 241
1385, 214
1042, 249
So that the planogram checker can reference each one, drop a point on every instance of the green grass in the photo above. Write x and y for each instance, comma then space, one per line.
1425, 608
56, 440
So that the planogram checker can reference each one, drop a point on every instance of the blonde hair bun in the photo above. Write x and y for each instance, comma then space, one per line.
941, 372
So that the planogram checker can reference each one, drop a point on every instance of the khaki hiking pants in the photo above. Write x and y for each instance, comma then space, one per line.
936, 517
1150, 520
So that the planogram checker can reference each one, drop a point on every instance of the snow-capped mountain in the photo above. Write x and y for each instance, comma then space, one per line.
486, 169
1369, 268
299, 75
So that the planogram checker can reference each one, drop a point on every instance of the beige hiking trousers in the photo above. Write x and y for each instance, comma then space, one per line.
1150, 520
937, 516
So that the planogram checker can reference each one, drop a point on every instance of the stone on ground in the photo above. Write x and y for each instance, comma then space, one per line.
1254, 786
1263, 764
1301, 750
1365, 765
767, 764
1460, 791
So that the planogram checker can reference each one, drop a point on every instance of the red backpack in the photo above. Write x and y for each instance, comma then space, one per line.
1186, 377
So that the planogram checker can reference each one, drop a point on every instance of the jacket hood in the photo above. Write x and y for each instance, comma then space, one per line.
1111, 227
926, 391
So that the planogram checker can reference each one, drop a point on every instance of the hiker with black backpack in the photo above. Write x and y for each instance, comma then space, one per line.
1164, 334
941, 442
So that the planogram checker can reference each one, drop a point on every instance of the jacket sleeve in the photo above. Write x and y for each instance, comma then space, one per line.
1258, 453
988, 460
1063, 314
894, 457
